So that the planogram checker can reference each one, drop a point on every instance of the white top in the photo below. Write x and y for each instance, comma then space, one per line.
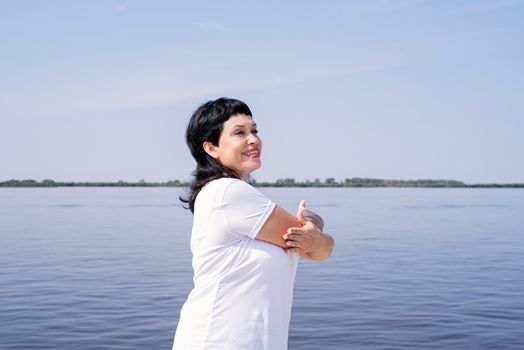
243, 287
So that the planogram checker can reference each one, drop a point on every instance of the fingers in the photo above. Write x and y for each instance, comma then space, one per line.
293, 244
293, 235
301, 207
293, 238
294, 230
308, 229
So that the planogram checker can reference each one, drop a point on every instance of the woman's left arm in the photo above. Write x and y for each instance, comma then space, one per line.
309, 240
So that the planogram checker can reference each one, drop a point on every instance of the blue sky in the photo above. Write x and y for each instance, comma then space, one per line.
406, 89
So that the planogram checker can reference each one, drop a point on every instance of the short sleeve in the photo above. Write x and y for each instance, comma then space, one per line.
245, 208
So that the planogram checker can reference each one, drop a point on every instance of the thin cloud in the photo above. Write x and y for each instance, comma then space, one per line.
378, 7
121, 7
150, 92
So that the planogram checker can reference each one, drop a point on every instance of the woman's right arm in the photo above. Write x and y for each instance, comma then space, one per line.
279, 221
302, 234
243, 205
276, 225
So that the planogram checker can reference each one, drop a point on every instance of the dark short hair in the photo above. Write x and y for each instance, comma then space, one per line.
206, 124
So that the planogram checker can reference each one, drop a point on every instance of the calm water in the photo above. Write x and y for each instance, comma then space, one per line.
108, 268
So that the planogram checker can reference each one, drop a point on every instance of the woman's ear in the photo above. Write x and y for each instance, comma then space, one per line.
210, 149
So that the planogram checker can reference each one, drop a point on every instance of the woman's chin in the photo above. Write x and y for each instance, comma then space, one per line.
245, 174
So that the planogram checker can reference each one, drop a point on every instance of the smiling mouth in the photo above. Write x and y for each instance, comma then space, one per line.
252, 153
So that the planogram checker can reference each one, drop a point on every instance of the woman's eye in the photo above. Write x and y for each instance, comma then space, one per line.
239, 132
254, 131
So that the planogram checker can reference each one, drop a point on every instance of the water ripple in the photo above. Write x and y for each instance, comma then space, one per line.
110, 270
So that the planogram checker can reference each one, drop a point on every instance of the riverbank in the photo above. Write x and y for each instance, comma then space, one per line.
289, 182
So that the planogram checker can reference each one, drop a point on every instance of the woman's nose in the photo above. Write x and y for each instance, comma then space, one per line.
253, 139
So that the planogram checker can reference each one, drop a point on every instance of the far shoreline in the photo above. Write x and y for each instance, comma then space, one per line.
288, 183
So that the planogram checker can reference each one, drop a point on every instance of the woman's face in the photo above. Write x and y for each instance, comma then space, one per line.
239, 146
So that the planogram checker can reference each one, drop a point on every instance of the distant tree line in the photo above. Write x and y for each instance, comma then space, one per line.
51, 183
361, 182
286, 182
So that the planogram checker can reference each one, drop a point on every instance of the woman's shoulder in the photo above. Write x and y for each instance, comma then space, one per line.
228, 186
220, 185
222, 182
215, 191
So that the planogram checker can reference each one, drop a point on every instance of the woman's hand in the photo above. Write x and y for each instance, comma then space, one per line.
309, 241
304, 214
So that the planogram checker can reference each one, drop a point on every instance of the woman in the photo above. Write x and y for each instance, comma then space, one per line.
245, 248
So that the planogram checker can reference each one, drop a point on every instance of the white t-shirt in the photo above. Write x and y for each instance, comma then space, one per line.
243, 287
